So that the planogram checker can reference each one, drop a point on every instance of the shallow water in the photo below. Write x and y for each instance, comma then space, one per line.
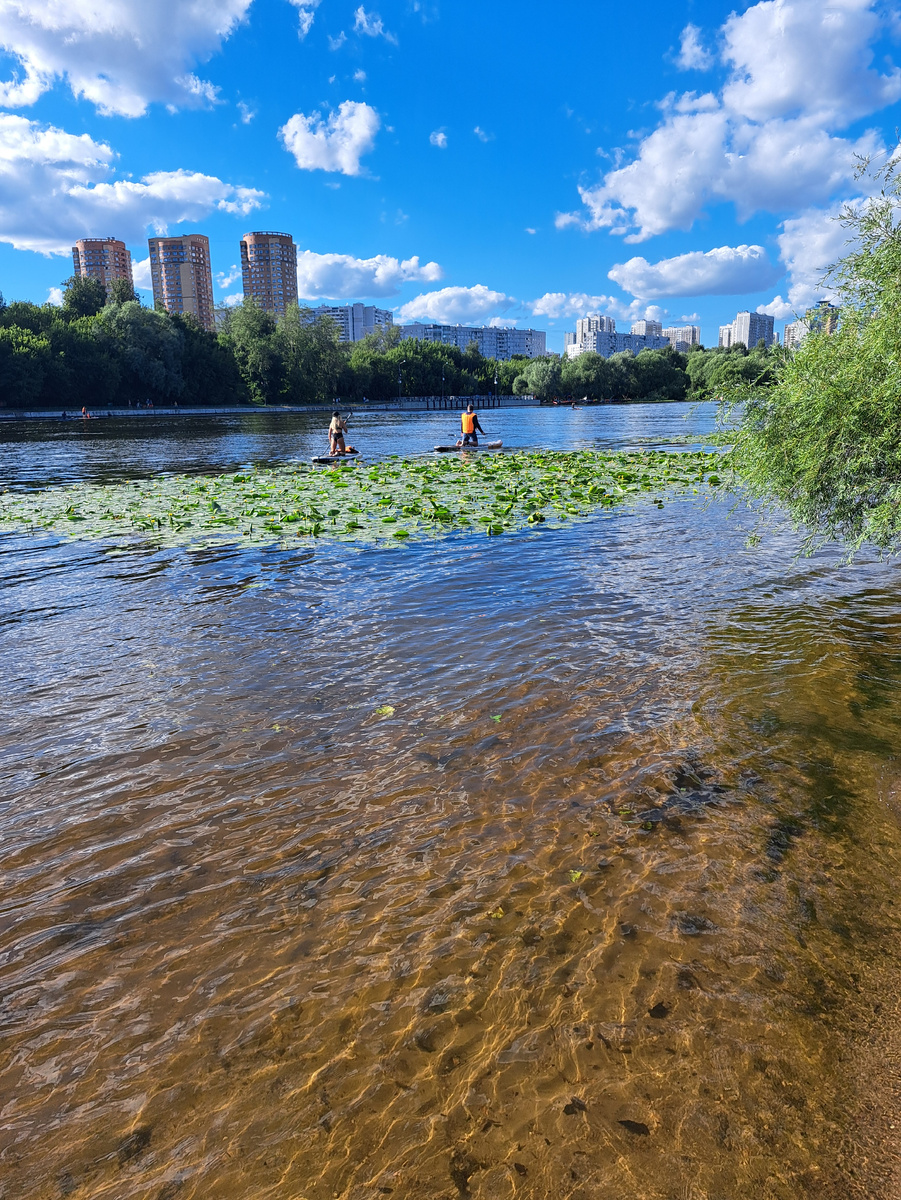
561, 864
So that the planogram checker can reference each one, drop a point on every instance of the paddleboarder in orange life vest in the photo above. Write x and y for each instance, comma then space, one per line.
469, 423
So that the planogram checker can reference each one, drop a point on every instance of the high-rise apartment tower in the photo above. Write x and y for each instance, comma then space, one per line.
182, 277
269, 270
105, 259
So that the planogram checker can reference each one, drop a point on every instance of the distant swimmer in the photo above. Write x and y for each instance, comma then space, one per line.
85, 413
469, 423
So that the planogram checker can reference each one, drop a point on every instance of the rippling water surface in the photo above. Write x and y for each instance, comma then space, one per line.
557, 865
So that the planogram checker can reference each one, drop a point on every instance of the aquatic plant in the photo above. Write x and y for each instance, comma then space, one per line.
393, 499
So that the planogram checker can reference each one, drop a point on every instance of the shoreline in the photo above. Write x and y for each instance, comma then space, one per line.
427, 404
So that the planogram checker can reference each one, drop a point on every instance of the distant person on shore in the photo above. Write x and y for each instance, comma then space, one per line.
469, 423
336, 432
85, 413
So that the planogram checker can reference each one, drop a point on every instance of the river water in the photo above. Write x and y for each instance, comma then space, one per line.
561, 864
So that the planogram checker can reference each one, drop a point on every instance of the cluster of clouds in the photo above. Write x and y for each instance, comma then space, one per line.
335, 276
335, 142
768, 134
797, 74
119, 54
52, 182
122, 56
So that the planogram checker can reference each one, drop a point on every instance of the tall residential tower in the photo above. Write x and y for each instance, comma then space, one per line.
269, 270
105, 259
182, 277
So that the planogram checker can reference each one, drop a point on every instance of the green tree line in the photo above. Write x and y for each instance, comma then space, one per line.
105, 349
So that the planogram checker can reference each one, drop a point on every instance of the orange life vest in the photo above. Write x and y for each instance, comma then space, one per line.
468, 421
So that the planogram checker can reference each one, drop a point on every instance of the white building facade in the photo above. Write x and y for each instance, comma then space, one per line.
749, 329
683, 336
593, 323
607, 344
647, 328
795, 333
500, 343
355, 321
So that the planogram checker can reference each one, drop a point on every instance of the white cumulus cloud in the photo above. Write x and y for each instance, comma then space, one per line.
340, 276
725, 271
54, 188
224, 279
456, 306
55, 296
809, 244
439, 139
372, 25
770, 140
692, 54
306, 15
120, 55
140, 273
777, 308
333, 143
555, 305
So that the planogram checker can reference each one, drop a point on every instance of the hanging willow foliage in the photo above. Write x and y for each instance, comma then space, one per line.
823, 442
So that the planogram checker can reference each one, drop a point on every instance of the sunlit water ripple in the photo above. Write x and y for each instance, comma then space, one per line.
560, 864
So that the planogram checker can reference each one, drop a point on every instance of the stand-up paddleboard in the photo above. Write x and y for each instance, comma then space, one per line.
333, 458
481, 446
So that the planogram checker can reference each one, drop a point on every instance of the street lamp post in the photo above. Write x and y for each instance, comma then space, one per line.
399, 384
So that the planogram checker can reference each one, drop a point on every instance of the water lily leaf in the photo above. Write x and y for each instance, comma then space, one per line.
386, 710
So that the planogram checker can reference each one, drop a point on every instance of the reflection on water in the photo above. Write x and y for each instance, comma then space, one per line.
547, 866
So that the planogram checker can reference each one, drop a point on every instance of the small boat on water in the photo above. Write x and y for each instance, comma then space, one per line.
458, 446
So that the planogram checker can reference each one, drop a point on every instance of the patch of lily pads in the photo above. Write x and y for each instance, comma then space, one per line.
386, 501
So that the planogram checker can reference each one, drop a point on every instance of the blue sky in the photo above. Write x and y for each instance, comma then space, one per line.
466, 162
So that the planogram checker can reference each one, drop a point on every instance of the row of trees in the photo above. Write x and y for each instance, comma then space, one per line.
105, 349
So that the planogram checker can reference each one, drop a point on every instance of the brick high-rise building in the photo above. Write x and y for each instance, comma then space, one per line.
182, 276
269, 270
105, 259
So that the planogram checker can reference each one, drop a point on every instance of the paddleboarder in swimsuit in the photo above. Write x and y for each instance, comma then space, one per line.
469, 423
336, 432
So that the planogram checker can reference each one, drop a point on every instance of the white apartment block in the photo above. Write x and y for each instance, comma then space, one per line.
593, 323
683, 336
647, 328
499, 343
795, 333
607, 344
748, 328
355, 321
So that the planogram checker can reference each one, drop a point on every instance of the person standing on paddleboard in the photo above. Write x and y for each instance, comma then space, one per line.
336, 431
469, 423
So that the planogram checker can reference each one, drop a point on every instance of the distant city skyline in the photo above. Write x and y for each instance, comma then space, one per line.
707, 182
